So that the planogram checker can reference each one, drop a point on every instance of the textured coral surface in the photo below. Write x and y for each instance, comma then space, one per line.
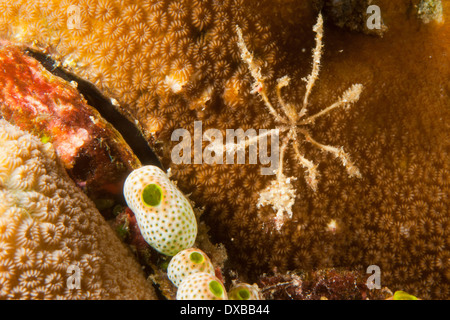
172, 62
95, 155
51, 234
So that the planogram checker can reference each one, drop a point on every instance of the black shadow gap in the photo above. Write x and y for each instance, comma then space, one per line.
130, 133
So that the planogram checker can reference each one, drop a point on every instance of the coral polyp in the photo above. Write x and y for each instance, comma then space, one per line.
164, 215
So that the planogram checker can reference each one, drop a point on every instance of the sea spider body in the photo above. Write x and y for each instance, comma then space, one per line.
280, 194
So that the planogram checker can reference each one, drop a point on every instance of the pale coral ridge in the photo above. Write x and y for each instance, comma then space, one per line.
54, 244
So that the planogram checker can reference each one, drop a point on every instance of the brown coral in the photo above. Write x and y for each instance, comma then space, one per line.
397, 135
54, 244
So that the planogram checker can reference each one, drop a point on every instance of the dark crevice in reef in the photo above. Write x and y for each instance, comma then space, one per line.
103, 105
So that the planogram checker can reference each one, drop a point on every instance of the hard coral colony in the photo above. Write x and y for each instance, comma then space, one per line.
171, 63
47, 224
